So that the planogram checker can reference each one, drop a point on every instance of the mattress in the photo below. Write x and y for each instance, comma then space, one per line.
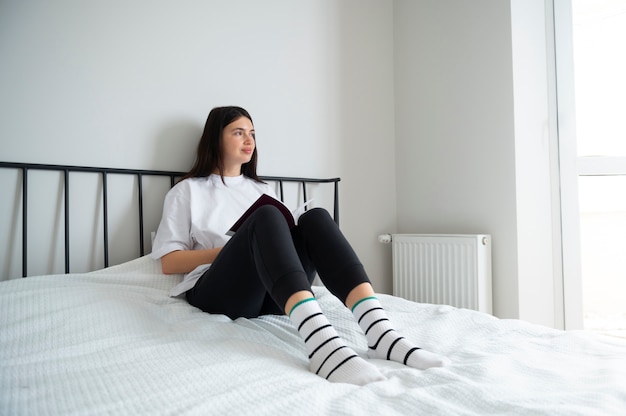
114, 342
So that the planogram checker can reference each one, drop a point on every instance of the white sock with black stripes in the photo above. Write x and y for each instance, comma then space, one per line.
329, 355
385, 343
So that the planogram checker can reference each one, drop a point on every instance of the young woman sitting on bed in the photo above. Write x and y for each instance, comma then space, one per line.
266, 268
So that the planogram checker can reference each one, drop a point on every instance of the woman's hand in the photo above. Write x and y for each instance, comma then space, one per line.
184, 261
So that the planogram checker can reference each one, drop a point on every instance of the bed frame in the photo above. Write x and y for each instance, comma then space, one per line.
139, 174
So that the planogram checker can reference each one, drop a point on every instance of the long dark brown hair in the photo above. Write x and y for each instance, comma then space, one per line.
209, 158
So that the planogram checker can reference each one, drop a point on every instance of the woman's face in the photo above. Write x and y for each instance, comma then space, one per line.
237, 145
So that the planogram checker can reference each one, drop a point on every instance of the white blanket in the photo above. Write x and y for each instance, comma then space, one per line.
113, 342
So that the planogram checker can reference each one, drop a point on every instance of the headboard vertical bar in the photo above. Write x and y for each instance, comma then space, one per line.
304, 198
24, 221
336, 203
282, 191
105, 216
66, 180
140, 192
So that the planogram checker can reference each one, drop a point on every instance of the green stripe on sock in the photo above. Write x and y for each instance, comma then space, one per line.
362, 300
300, 303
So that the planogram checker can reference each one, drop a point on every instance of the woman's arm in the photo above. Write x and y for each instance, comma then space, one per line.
184, 261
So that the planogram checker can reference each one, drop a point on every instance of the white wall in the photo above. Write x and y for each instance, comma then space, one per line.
473, 144
455, 147
129, 84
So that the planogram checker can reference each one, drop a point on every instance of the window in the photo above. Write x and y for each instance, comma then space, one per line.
591, 68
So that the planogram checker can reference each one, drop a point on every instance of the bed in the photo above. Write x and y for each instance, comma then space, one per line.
111, 341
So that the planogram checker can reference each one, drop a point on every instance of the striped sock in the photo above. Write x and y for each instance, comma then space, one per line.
385, 343
329, 355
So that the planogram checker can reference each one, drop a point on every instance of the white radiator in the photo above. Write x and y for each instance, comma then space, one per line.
443, 269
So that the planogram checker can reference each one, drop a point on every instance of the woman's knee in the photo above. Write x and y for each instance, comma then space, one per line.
268, 222
269, 213
314, 216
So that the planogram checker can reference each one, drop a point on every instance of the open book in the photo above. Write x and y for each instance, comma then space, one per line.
264, 199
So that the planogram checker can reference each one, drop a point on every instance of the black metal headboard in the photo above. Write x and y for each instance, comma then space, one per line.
139, 174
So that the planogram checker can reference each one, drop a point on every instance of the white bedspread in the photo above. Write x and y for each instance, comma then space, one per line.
113, 342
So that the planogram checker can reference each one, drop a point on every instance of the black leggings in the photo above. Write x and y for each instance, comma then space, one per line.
265, 263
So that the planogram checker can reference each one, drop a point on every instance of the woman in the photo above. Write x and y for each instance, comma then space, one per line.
266, 268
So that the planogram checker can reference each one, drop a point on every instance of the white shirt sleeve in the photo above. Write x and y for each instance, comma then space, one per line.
174, 230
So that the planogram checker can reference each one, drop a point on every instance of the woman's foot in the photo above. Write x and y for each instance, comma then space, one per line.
385, 343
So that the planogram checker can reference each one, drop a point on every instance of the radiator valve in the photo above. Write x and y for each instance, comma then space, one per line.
384, 238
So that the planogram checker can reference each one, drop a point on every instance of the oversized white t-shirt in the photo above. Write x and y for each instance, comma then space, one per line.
198, 212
